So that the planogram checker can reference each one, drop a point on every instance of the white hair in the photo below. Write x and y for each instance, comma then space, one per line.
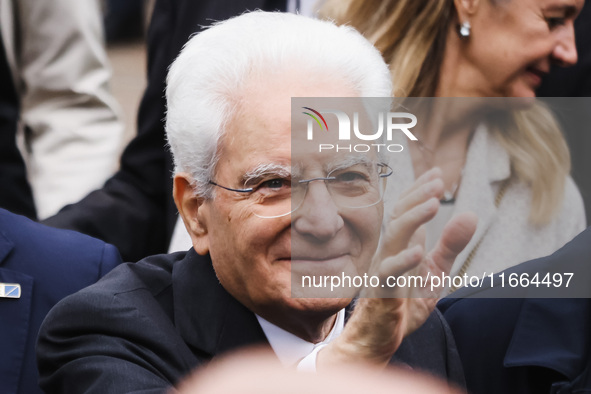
204, 82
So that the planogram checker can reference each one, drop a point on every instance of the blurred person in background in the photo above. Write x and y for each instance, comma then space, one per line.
575, 119
55, 105
124, 20
255, 371
134, 210
511, 170
39, 266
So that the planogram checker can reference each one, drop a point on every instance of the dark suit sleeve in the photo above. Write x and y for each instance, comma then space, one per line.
134, 210
79, 352
95, 342
432, 349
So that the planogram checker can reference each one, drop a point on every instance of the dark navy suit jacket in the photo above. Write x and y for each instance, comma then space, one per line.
48, 264
523, 344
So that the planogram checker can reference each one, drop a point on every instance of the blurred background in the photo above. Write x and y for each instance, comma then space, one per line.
126, 23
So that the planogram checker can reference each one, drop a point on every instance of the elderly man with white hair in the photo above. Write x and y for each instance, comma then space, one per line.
147, 325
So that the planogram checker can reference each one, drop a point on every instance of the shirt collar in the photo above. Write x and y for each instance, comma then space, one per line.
289, 348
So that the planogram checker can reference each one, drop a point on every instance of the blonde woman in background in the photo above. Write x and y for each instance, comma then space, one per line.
512, 170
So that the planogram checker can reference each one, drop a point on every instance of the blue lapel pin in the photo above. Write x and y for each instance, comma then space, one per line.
10, 290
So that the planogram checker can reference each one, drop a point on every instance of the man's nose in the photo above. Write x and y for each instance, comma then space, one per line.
318, 216
565, 50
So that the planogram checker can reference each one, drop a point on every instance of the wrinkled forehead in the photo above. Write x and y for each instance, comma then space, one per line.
318, 167
261, 131
308, 166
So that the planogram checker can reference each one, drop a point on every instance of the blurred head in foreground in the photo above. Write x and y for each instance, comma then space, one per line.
258, 372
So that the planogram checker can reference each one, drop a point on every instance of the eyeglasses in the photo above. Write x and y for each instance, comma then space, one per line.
358, 186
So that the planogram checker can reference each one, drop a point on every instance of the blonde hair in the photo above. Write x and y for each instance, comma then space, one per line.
411, 35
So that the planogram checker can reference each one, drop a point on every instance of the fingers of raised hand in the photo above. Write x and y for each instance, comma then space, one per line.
398, 232
456, 235
431, 189
401, 263
429, 176
392, 267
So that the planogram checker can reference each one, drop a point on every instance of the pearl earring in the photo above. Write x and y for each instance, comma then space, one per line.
464, 30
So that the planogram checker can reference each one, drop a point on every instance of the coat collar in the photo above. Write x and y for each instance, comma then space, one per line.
487, 165
486, 157
208, 318
563, 343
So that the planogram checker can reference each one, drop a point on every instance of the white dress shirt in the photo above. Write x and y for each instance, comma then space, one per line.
292, 350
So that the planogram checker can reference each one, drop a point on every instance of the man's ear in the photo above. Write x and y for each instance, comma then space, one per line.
192, 211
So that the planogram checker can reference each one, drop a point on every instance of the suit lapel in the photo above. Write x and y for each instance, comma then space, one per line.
208, 318
15, 314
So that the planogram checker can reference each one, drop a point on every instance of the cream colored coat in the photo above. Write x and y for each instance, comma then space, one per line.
59, 65
506, 237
